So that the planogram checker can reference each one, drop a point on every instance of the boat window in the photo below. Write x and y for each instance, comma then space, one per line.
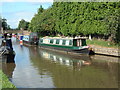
83, 42
51, 40
64, 42
46, 41
70, 42
67, 42
41, 40
60, 43
54, 42
75, 42
57, 41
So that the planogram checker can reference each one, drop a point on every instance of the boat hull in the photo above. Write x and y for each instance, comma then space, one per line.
30, 43
8, 57
66, 49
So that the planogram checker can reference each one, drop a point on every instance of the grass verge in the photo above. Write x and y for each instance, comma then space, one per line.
4, 82
102, 43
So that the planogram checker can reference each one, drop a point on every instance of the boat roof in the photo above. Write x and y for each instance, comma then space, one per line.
64, 37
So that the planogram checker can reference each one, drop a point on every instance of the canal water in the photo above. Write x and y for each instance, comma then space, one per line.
40, 68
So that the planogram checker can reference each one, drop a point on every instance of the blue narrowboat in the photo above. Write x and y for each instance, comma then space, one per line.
31, 39
19, 36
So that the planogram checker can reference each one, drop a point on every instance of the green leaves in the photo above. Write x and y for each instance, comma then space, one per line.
3, 23
23, 24
75, 18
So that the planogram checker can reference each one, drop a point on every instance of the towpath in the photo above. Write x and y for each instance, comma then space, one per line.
105, 50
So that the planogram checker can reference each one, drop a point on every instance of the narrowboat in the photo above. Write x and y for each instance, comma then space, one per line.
19, 36
7, 55
31, 39
75, 45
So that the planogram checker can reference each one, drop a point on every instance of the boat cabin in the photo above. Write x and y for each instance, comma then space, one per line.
31, 39
77, 42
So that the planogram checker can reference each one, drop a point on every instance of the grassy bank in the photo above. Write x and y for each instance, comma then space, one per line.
102, 43
4, 82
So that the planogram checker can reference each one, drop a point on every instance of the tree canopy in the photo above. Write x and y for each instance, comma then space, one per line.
23, 24
78, 18
3, 24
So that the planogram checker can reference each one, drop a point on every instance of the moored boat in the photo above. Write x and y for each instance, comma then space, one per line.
75, 45
31, 39
19, 36
7, 56
7, 53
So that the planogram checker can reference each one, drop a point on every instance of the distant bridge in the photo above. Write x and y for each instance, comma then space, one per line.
16, 31
11, 31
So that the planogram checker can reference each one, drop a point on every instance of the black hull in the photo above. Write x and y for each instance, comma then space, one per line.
30, 43
8, 58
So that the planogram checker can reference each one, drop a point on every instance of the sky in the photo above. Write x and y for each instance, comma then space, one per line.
15, 10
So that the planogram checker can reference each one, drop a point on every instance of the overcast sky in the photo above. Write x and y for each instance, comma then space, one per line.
15, 10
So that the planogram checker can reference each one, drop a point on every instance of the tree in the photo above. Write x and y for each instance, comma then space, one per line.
40, 10
4, 24
23, 24
8, 27
79, 18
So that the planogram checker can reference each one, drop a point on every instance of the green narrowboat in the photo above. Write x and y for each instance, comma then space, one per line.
76, 45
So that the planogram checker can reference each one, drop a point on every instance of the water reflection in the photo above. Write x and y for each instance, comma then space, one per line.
75, 64
67, 72
39, 68
57, 58
25, 74
8, 69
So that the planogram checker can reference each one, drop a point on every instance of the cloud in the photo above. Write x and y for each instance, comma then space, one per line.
12, 23
16, 17
24, 14
16, 11
26, 1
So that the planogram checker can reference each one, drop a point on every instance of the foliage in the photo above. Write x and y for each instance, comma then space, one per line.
79, 18
23, 24
5, 82
3, 24
43, 22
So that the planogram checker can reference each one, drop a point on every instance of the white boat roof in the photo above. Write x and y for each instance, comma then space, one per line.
64, 37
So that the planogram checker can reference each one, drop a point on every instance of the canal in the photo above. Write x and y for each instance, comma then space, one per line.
39, 68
